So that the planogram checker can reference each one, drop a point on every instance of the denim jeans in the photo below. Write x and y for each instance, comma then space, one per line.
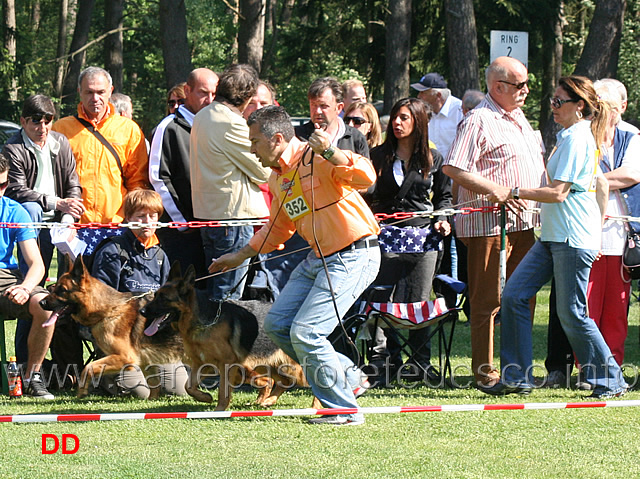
303, 317
570, 269
216, 242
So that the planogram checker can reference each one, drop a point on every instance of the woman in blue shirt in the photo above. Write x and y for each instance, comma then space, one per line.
573, 206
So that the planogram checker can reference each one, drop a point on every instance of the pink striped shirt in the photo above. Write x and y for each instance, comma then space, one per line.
502, 147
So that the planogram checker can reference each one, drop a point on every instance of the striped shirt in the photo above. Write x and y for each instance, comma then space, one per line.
500, 146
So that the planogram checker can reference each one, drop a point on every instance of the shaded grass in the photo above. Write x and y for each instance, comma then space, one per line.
576, 443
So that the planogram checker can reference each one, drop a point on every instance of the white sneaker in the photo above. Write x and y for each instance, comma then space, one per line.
338, 420
362, 388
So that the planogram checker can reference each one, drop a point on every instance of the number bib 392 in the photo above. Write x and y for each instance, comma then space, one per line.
293, 201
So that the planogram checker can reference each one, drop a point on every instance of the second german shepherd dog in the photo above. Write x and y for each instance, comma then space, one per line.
115, 323
227, 335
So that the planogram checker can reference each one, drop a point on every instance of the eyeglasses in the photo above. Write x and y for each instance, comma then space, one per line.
172, 103
38, 117
519, 86
356, 120
558, 102
4, 185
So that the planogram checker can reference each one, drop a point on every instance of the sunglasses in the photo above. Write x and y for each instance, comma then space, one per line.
37, 118
519, 86
4, 185
172, 103
558, 102
356, 120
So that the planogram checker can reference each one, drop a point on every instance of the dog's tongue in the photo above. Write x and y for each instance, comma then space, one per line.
153, 327
53, 318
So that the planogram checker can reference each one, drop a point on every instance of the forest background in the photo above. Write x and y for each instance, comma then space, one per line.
150, 45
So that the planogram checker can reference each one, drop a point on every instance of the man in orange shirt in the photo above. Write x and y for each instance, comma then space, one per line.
110, 152
314, 189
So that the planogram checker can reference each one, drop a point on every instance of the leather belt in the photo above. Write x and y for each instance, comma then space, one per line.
368, 242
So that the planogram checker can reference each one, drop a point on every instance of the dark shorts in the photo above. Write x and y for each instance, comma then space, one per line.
9, 309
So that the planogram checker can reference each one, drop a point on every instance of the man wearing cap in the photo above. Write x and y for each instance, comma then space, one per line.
447, 110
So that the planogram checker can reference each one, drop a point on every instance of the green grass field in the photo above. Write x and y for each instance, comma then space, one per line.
571, 443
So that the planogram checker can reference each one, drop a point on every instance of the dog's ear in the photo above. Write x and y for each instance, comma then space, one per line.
175, 272
190, 275
78, 269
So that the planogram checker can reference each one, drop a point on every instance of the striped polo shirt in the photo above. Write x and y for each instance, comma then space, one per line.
502, 147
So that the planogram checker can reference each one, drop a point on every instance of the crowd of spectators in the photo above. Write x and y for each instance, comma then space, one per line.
213, 155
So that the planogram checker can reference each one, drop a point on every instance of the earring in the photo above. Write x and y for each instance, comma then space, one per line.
579, 114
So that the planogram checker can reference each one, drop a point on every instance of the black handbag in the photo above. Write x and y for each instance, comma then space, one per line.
631, 255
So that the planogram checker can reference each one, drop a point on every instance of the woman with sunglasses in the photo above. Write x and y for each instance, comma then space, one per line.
573, 207
609, 286
364, 117
410, 179
175, 97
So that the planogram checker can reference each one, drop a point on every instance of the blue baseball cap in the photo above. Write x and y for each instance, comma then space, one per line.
430, 80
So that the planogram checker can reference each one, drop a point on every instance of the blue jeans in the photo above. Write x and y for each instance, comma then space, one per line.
570, 269
216, 242
303, 317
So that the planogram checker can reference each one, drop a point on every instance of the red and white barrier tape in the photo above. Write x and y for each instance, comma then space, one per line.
37, 418
235, 222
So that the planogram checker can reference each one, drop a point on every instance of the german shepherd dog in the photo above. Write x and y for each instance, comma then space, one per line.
227, 335
115, 322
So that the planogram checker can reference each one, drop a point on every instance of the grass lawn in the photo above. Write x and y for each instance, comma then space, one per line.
571, 443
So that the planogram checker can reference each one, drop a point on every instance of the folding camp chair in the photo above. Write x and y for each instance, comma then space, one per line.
399, 317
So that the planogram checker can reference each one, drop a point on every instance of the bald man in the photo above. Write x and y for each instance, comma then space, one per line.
495, 146
169, 170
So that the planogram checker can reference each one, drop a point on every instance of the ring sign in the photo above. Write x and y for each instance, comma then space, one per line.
510, 44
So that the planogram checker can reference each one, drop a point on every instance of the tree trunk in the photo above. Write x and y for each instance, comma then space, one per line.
113, 56
251, 33
552, 70
463, 46
287, 9
62, 48
269, 7
275, 33
398, 46
35, 16
599, 57
80, 37
175, 45
9, 8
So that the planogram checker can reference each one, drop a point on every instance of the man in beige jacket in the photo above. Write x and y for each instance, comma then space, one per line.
225, 175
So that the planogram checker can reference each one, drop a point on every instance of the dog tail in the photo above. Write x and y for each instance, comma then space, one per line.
280, 367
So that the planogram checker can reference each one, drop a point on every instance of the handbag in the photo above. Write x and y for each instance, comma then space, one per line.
631, 255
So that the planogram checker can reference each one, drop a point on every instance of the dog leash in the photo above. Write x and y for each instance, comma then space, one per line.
138, 296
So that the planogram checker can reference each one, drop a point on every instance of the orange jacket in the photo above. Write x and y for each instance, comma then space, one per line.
341, 215
102, 182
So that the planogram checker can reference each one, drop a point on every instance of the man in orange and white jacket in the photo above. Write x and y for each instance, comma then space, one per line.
315, 191
105, 179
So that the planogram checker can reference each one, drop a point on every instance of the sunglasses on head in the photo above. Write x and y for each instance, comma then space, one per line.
4, 184
356, 120
38, 117
172, 103
558, 102
519, 86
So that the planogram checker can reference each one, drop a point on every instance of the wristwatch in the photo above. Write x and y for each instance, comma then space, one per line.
328, 153
515, 193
